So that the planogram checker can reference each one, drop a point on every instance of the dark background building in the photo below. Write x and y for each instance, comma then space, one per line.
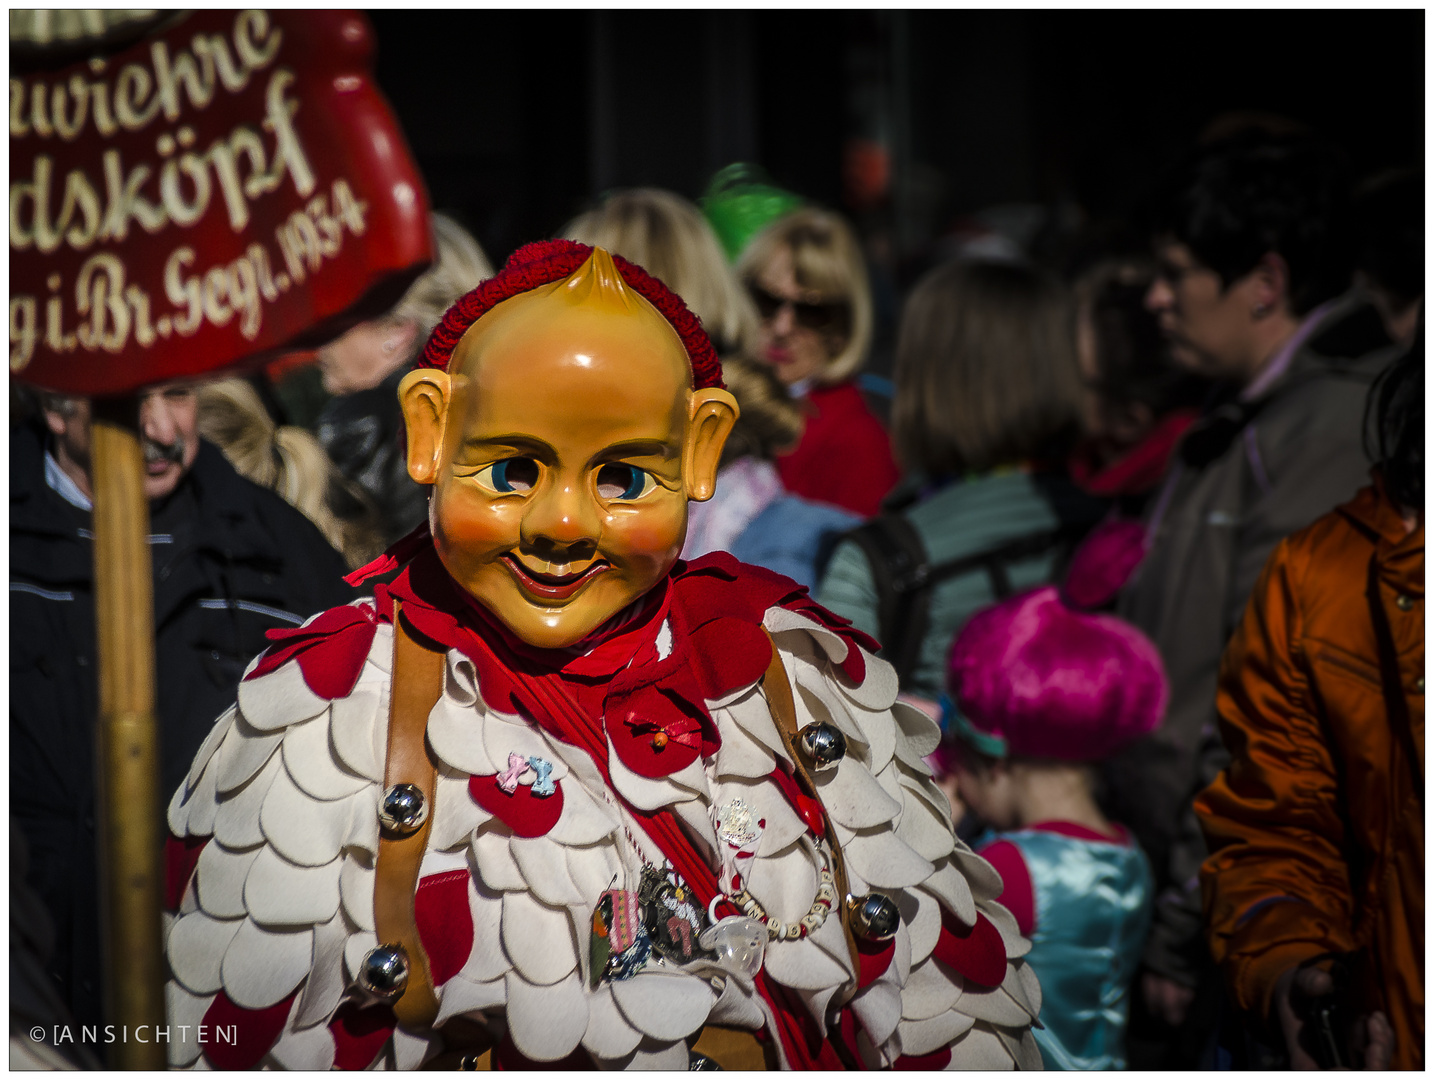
910, 121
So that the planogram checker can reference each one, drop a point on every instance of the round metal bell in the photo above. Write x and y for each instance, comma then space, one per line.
403, 809
874, 917
384, 972
824, 744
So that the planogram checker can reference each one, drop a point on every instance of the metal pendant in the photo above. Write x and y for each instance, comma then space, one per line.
823, 744
402, 810
874, 917
737, 824
383, 973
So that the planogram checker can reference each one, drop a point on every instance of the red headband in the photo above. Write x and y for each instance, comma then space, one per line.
548, 261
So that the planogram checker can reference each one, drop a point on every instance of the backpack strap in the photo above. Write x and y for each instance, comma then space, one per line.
900, 572
996, 561
905, 579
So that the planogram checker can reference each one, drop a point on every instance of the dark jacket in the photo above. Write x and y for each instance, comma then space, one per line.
1246, 475
364, 435
231, 560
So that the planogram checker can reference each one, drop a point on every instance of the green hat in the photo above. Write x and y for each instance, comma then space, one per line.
741, 201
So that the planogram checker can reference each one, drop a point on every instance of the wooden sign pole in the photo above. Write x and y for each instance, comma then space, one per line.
200, 275
127, 742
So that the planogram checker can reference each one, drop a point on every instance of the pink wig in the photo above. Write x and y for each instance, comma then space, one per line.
1054, 682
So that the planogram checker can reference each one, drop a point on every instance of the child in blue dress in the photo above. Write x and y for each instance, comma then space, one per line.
1040, 691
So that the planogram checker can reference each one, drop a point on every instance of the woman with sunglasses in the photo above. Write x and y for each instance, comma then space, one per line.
806, 274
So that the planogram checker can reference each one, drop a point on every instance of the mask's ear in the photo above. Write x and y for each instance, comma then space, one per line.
424, 396
711, 415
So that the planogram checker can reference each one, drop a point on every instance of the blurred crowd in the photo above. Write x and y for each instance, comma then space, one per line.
1142, 525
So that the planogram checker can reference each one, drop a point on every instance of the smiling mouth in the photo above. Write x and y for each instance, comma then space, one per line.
551, 586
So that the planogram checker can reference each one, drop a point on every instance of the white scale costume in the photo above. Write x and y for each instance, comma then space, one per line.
288, 784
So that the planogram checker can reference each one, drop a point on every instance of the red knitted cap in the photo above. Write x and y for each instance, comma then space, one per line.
548, 261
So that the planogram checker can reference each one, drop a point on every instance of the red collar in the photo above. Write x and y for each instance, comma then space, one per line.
442, 610
1140, 468
652, 707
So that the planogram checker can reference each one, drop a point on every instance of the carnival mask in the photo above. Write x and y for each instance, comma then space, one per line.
563, 444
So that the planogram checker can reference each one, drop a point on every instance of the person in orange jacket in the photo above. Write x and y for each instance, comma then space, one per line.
1314, 888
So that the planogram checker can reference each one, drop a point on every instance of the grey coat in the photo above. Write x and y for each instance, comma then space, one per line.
1247, 474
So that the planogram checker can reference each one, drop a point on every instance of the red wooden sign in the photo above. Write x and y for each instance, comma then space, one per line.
222, 191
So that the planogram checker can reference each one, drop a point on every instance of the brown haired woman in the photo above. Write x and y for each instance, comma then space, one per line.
987, 396
807, 275
1137, 402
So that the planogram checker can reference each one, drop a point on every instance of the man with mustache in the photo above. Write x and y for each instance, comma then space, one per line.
1254, 261
231, 561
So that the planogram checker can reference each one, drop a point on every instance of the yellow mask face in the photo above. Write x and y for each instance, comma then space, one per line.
563, 446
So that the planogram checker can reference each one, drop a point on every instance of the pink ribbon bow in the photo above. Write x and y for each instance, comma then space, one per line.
517, 765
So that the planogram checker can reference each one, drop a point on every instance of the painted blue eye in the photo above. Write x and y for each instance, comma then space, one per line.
509, 475
623, 482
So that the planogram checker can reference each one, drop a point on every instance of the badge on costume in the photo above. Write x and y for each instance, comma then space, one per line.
673, 918
620, 944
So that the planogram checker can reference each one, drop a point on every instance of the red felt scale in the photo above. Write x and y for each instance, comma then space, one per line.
330, 650
522, 811
255, 1030
359, 1034
445, 923
976, 952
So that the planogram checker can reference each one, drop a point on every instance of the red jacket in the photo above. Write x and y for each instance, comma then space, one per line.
1316, 828
844, 456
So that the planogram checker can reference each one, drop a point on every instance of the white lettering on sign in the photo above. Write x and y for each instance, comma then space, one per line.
179, 189
176, 187
139, 93
111, 309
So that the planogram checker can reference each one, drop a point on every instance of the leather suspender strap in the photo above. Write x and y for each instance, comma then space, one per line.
417, 684
784, 713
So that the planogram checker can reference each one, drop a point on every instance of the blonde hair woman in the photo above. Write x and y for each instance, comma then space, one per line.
291, 463
669, 238
807, 276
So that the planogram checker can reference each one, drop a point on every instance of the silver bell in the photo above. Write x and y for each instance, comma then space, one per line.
874, 916
402, 810
824, 744
384, 972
